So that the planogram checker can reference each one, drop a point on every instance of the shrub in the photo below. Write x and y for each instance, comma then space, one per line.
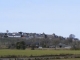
21, 45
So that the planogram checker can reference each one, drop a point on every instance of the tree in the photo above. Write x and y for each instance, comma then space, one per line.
72, 36
18, 45
33, 47
76, 45
20, 33
21, 45
56, 42
45, 43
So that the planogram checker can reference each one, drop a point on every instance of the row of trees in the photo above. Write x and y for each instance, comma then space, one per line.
20, 43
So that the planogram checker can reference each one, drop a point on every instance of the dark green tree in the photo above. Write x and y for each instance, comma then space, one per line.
21, 45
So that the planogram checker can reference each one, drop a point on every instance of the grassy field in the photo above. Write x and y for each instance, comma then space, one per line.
36, 52
68, 59
28, 52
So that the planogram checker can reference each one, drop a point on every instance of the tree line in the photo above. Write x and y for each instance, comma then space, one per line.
23, 43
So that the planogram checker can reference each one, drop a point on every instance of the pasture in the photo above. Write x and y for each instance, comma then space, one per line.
46, 53
29, 52
68, 59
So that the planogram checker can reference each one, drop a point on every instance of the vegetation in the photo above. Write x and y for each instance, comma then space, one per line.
40, 54
68, 59
50, 47
29, 52
21, 45
46, 42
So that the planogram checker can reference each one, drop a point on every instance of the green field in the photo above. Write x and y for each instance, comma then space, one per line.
36, 52
28, 52
68, 59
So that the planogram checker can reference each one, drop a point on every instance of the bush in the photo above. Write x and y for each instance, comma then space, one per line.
21, 45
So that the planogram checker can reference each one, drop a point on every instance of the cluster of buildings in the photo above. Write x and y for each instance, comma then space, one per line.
35, 35
30, 35
21, 34
25, 35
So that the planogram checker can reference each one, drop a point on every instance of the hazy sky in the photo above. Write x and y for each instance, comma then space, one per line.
61, 17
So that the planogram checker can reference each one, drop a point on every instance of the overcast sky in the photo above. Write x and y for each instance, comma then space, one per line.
61, 17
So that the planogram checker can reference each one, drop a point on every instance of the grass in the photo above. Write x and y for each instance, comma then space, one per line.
68, 59
36, 52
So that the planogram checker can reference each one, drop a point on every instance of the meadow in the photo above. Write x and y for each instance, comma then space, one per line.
29, 52
67, 59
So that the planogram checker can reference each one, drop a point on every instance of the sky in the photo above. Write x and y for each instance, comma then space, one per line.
61, 17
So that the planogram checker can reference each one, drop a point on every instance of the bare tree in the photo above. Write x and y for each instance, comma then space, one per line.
56, 42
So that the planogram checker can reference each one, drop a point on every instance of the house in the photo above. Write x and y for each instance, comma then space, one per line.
39, 36
14, 35
64, 46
